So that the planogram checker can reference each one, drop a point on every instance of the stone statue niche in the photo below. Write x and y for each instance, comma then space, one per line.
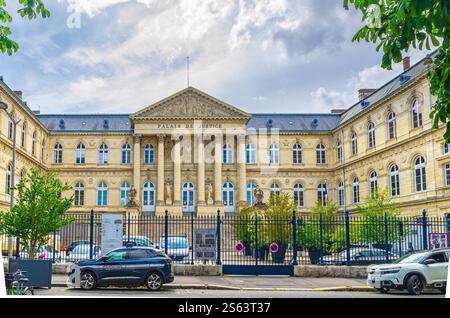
209, 194
168, 193
258, 197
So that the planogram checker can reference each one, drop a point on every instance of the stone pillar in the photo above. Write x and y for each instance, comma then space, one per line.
218, 170
242, 168
177, 172
160, 189
200, 170
137, 166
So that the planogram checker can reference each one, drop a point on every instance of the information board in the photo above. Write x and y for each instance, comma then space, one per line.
112, 232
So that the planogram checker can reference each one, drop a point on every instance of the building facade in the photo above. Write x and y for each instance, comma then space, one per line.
194, 153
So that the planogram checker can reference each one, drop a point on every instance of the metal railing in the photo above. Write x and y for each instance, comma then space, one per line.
253, 240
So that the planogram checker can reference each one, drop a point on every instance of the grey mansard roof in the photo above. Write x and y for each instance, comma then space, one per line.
284, 122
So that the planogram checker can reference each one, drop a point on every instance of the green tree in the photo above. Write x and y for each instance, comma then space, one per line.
398, 25
39, 210
278, 217
29, 8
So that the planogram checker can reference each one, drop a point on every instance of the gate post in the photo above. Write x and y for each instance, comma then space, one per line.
166, 231
54, 247
400, 235
347, 238
192, 238
294, 239
321, 238
129, 228
256, 240
386, 236
218, 260
424, 230
91, 235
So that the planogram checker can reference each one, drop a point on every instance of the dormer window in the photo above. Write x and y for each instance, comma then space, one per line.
404, 78
62, 124
365, 103
106, 124
269, 124
314, 123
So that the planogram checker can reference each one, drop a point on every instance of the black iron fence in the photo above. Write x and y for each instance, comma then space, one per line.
254, 239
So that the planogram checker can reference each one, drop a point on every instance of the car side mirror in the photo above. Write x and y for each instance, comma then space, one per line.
429, 261
104, 258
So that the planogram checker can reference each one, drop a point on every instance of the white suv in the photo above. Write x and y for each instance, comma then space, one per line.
412, 272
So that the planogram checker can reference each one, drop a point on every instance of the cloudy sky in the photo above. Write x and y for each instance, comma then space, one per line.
258, 55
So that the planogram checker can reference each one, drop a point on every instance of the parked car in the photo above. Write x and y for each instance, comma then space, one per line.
131, 266
139, 240
177, 247
360, 256
42, 252
82, 252
74, 244
412, 272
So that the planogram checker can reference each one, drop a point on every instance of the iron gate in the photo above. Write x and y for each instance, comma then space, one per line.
257, 245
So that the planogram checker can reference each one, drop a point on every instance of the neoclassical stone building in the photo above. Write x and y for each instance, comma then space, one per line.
194, 153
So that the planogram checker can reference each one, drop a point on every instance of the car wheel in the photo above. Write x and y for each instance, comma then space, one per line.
154, 281
414, 285
88, 281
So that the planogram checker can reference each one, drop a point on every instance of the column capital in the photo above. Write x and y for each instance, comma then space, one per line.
137, 139
161, 137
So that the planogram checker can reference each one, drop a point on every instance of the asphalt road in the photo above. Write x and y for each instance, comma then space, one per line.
199, 293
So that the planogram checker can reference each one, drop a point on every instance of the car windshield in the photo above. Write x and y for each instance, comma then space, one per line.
175, 242
82, 249
410, 258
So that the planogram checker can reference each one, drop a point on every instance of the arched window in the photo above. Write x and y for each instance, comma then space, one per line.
124, 193
297, 154
42, 150
188, 197
392, 126
420, 174
416, 114
373, 182
8, 179
227, 153
250, 194
102, 194
103, 154
321, 154
322, 194
228, 197
79, 194
340, 151
371, 135
22, 134
81, 154
126, 154
274, 154
148, 197
251, 154
33, 143
341, 194
394, 181
299, 195
57, 153
149, 154
274, 191
354, 144
356, 190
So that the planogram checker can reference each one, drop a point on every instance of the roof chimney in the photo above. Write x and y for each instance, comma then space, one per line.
364, 92
406, 63
19, 94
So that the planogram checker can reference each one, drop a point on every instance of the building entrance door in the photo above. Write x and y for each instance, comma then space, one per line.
188, 197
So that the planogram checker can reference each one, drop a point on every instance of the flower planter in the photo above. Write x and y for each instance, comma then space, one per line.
261, 253
39, 272
279, 256
247, 248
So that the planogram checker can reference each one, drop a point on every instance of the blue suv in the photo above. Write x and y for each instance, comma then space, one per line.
131, 266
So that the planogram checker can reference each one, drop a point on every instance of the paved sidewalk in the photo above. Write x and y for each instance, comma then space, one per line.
255, 283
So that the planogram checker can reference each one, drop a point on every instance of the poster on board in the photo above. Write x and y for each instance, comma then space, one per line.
112, 232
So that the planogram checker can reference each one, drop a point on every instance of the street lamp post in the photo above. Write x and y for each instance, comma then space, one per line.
4, 106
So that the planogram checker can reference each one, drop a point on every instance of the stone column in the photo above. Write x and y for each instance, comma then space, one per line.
242, 168
137, 166
160, 189
200, 170
218, 170
177, 172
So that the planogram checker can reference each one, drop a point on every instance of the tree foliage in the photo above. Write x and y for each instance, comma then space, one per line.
39, 210
30, 9
398, 25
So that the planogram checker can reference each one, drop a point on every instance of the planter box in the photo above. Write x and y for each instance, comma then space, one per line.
39, 272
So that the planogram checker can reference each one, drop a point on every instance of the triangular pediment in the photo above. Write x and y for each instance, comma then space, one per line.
191, 103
